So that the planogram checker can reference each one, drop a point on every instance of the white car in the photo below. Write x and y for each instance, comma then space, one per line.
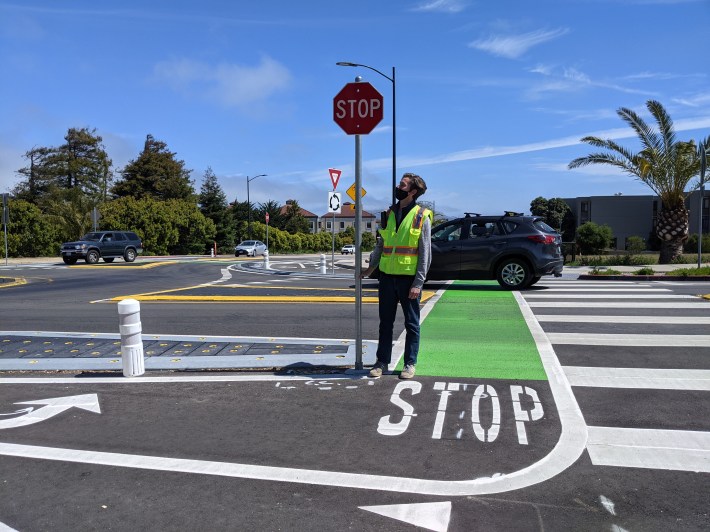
250, 248
348, 249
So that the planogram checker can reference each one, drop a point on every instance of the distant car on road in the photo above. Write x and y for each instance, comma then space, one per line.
250, 248
515, 250
106, 245
347, 249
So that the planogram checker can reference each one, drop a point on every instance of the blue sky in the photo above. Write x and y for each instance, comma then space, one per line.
492, 97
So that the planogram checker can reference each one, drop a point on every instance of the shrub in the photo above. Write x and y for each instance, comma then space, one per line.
593, 238
607, 271
645, 271
635, 245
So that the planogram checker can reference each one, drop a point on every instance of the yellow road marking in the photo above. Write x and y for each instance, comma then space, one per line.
16, 281
136, 266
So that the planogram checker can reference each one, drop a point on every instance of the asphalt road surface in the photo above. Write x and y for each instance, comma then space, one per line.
617, 438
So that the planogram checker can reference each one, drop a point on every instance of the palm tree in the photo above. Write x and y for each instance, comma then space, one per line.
665, 164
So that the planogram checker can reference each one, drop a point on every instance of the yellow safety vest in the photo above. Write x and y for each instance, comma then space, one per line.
400, 252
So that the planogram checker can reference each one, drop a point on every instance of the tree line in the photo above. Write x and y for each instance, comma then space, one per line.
153, 195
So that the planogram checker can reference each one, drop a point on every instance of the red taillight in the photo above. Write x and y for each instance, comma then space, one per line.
540, 239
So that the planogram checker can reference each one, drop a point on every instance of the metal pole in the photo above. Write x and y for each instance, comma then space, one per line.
358, 252
332, 226
248, 210
394, 135
703, 164
5, 219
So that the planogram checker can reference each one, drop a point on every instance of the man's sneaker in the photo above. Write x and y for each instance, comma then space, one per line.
377, 369
407, 372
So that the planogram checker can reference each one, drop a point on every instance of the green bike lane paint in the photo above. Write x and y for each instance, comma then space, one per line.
477, 330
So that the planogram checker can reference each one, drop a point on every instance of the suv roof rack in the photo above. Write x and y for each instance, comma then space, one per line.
469, 214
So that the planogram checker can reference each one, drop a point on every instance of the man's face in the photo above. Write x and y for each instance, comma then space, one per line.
405, 184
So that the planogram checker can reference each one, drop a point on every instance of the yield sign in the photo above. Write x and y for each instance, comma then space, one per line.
334, 176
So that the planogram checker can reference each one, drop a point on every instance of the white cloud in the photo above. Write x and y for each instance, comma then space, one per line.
230, 85
513, 46
696, 100
573, 140
571, 80
444, 6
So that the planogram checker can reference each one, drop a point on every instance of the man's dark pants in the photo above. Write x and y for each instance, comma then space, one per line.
393, 291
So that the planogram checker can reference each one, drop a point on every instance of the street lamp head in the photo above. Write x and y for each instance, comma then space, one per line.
346, 63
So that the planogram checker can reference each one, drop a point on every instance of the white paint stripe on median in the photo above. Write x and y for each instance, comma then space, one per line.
699, 305
639, 378
677, 450
629, 295
642, 340
583, 318
599, 289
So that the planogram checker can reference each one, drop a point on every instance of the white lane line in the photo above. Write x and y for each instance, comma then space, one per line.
584, 318
596, 289
640, 378
700, 304
630, 295
643, 340
677, 450
590, 283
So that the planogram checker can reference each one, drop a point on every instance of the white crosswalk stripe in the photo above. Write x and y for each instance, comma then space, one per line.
653, 448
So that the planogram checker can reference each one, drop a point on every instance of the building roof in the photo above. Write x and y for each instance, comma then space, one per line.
347, 211
303, 212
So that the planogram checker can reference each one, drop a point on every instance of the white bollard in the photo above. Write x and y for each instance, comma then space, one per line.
322, 264
212, 253
266, 259
129, 325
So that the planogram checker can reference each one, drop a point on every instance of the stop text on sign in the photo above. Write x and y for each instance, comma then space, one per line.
360, 108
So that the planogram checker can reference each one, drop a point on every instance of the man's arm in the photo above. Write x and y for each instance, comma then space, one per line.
374, 257
424, 254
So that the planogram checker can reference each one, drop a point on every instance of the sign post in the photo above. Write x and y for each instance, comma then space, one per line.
703, 166
267, 231
334, 174
5, 219
357, 109
334, 205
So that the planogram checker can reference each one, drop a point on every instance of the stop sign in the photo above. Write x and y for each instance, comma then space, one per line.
267, 217
358, 108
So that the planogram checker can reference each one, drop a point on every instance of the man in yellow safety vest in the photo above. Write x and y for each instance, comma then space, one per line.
403, 255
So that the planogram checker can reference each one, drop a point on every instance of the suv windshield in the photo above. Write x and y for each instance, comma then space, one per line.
95, 237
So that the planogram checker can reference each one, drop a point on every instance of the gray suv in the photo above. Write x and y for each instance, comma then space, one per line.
103, 244
514, 249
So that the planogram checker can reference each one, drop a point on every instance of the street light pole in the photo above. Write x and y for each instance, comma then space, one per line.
249, 180
394, 117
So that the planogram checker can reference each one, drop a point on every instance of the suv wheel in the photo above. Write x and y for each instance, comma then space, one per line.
129, 255
92, 257
513, 274
69, 260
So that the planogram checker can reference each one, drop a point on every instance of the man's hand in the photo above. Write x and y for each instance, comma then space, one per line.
366, 273
414, 293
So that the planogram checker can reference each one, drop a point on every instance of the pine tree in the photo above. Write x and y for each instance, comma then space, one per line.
213, 205
155, 173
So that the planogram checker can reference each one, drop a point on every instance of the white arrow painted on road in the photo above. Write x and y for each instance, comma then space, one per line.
52, 408
16, 412
429, 515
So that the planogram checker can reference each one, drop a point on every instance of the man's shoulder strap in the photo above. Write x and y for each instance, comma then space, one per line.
419, 217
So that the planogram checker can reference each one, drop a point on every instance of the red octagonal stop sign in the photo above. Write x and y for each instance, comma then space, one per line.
358, 108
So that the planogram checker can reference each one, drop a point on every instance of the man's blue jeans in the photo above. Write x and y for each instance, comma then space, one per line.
394, 290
